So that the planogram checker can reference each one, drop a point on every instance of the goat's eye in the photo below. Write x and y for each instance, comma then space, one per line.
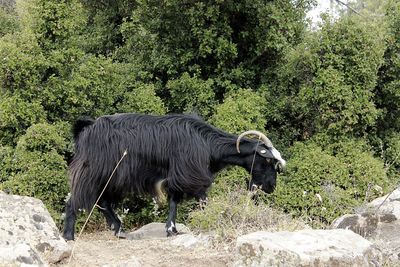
268, 160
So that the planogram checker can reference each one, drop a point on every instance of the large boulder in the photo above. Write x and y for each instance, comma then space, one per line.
389, 204
306, 248
28, 235
379, 223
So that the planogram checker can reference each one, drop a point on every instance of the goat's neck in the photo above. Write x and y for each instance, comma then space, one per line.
228, 155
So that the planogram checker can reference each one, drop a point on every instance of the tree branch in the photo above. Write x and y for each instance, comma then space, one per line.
349, 7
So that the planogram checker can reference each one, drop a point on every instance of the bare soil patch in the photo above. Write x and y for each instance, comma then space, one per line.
104, 249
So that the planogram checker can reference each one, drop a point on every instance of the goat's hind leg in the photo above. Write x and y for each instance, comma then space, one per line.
112, 219
174, 199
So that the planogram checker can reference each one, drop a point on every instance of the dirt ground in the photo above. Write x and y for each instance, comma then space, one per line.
103, 249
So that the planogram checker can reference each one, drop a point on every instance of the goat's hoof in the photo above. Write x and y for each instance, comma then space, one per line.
68, 237
172, 233
121, 235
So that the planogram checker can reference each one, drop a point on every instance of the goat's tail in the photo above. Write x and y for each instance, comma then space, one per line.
160, 186
80, 124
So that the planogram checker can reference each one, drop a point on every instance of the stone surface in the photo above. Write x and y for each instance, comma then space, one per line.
387, 204
380, 225
365, 224
28, 235
189, 240
306, 248
155, 230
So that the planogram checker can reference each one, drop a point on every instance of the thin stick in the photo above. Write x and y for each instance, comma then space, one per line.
95, 205
254, 158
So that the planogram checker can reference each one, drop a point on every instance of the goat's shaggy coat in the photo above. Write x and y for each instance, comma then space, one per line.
182, 150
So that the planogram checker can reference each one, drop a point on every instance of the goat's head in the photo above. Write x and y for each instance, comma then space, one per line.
263, 162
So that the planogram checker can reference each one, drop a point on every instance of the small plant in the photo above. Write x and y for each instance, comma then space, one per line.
237, 212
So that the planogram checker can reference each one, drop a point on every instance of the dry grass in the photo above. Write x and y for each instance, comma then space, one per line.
237, 213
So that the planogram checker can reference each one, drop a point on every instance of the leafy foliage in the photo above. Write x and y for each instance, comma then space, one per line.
141, 98
232, 42
328, 81
8, 21
388, 97
6, 162
241, 110
16, 115
39, 170
191, 94
322, 184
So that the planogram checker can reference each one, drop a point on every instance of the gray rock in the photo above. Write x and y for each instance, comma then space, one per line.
19, 254
154, 231
387, 204
28, 232
185, 240
306, 248
380, 225
365, 224
189, 240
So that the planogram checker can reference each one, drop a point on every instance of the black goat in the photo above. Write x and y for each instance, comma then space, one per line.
180, 152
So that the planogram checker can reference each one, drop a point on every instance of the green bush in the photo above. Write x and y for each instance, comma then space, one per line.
241, 111
141, 98
6, 162
8, 21
40, 175
44, 138
191, 94
22, 64
392, 151
39, 170
327, 83
388, 93
16, 115
322, 184
87, 85
54, 24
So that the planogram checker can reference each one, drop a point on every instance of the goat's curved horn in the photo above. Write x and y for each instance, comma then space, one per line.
262, 137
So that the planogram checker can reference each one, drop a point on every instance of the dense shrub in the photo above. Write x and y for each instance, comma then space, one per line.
327, 83
237, 43
241, 110
8, 21
388, 93
40, 175
38, 169
22, 64
191, 94
6, 162
141, 98
54, 24
392, 149
44, 138
16, 115
322, 184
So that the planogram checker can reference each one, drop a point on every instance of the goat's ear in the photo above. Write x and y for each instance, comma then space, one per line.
265, 152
